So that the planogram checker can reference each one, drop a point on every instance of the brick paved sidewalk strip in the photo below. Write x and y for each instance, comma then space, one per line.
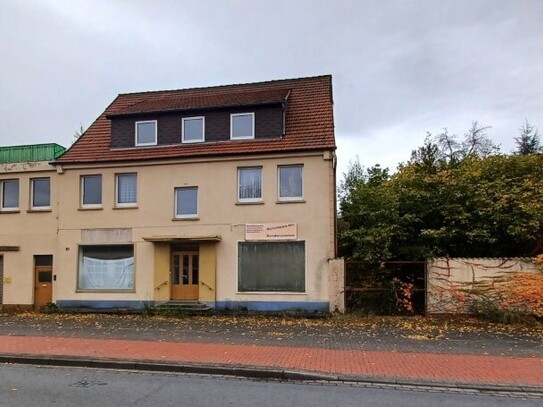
516, 371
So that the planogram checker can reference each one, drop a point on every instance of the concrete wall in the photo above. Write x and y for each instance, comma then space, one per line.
337, 285
450, 279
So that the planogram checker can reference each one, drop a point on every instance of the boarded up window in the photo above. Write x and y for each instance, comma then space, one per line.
271, 266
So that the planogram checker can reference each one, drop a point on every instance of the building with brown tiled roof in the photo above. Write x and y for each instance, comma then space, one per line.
220, 196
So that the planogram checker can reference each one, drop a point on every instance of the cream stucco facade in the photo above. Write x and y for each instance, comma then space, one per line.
25, 233
151, 228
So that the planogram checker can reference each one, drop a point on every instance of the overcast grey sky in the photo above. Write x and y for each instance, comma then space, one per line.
400, 68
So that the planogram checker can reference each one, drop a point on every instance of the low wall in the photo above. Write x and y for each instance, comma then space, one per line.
449, 279
337, 285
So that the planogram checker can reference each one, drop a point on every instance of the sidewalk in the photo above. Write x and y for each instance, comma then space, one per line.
202, 350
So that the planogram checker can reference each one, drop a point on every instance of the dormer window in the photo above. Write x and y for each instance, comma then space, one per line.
193, 129
242, 126
146, 133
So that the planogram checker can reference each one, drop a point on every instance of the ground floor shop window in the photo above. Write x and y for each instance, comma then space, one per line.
107, 267
271, 266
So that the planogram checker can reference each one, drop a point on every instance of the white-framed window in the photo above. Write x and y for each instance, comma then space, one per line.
290, 182
106, 268
126, 186
9, 195
271, 266
40, 193
146, 133
242, 126
250, 184
91, 191
186, 202
193, 129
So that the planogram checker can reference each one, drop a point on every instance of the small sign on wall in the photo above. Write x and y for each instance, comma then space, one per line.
271, 231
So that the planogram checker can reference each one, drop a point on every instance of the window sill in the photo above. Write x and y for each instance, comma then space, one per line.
125, 207
241, 138
105, 291
186, 219
192, 141
250, 203
290, 201
271, 293
37, 210
6, 211
96, 208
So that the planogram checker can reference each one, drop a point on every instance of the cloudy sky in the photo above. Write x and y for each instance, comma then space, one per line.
400, 67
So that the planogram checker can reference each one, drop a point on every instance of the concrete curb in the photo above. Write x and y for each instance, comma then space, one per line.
256, 373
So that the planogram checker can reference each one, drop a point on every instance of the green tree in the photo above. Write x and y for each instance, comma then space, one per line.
528, 140
368, 214
451, 199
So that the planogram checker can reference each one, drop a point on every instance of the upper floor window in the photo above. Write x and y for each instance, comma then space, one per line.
146, 133
40, 191
186, 202
91, 191
127, 190
242, 126
193, 129
290, 181
9, 195
250, 184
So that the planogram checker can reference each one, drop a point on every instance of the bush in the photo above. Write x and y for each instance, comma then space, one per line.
488, 309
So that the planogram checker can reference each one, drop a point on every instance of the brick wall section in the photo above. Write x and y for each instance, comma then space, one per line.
268, 125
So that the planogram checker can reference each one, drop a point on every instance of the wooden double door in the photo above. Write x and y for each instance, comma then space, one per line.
185, 275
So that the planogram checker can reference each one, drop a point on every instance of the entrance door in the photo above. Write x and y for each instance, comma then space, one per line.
43, 280
185, 275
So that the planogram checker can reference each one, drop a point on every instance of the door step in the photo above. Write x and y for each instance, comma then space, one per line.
183, 307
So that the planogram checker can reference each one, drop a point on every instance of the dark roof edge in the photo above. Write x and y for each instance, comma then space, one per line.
182, 109
301, 150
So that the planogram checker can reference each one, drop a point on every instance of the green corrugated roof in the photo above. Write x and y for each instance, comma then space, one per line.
28, 153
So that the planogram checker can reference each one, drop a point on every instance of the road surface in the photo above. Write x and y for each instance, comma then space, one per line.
24, 385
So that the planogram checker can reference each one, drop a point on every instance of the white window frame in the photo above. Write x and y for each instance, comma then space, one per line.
191, 215
125, 204
10, 209
252, 114
136, 133
39, 208
132, 289
82, 191
250, 200
287, 198
183, 120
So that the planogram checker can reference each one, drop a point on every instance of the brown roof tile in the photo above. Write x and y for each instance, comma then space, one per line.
309, 123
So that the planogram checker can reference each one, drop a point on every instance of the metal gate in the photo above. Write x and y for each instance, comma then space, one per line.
387, 288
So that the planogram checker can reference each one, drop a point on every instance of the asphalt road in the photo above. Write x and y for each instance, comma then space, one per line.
52, 386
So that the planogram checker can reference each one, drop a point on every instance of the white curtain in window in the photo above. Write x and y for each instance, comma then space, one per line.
127, 186
250, 183
100, 274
